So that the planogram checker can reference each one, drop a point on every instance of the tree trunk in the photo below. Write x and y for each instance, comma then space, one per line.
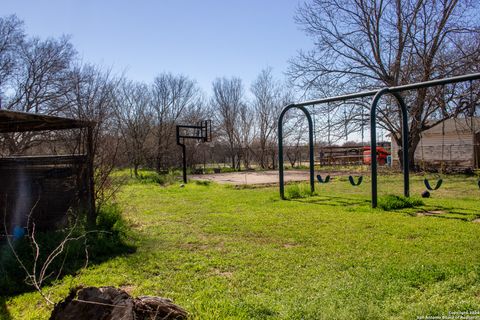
414, 139
159, 155
135, 170
263, 165
274, 165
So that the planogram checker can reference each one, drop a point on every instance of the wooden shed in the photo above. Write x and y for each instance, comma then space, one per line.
41, 189
453, 144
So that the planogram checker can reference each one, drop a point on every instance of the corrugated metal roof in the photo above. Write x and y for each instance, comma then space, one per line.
13, 121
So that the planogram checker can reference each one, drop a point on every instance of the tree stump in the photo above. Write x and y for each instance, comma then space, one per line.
109, 303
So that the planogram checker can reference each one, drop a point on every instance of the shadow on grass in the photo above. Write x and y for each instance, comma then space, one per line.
450, 218
4, 314
332, 201
101, 247
449, 215
463, 214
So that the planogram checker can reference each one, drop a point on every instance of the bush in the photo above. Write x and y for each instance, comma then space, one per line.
113, 234
154, 177
298, 190
393, 202
109, 219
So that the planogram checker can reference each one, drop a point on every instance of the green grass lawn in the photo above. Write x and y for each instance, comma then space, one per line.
241, 253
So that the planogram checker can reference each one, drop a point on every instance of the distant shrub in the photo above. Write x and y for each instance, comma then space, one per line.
301, 167
227, 170
154, 177
150, 177
393, 202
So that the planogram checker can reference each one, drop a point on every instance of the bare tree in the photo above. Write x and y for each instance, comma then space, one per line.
366, 44
34, 81
246, 134
172, 95
91, 96
11, 38
293, 150
42, 71
295, 136
269, 99
134, 119
227, 102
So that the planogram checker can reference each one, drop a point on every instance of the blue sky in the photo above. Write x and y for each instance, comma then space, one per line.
202, 39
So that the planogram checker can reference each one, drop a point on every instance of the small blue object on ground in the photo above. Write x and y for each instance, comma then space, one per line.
18, 232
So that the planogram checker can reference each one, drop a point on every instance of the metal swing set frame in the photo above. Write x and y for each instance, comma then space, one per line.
377, 95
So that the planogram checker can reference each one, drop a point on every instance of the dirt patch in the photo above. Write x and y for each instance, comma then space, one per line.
290, 245
476, 220
430, 213
226, 274
195, 246
260, 177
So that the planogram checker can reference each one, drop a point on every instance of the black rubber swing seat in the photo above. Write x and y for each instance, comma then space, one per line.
352, 180
321, 180
429, 187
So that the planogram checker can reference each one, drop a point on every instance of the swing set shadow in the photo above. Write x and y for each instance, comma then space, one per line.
335, 201
377, 95
462, 214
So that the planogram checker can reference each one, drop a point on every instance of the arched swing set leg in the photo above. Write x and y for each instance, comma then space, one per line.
280, 148
373, 142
